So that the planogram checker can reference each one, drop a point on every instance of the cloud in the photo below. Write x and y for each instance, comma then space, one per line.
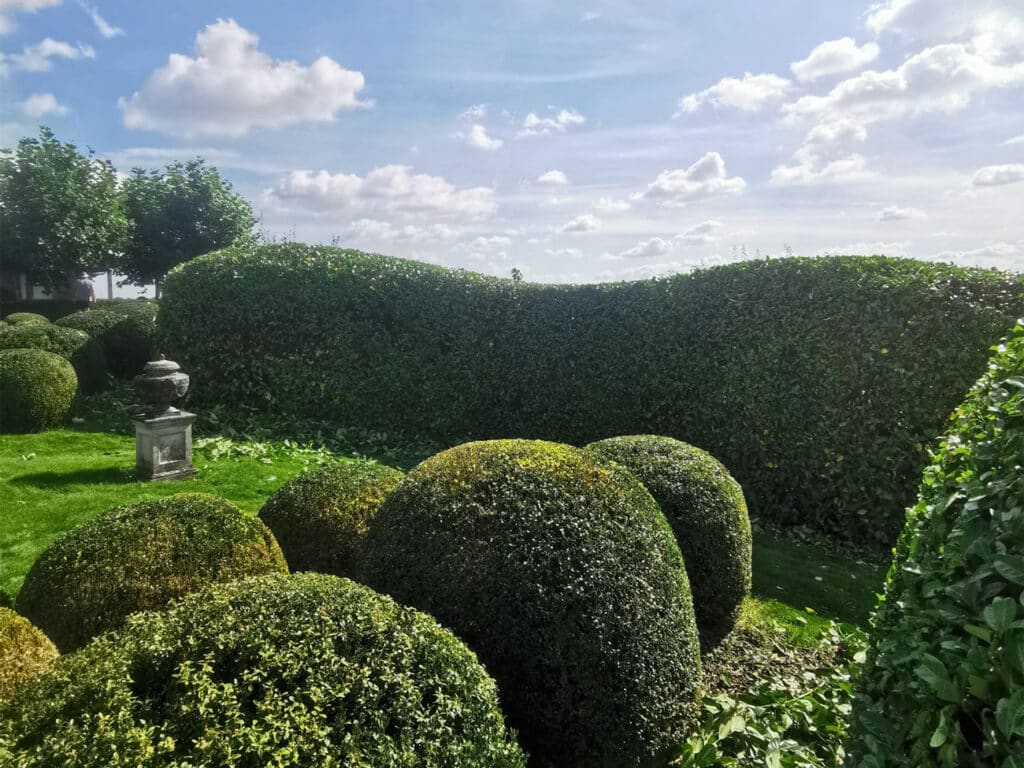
553, 177
700, 234
375, 230
231, 87
40, 104
747, 94
10, 7
895, 213
1014, 140
389, 191
563, 253
834, 57
102, 25
37, 58
998, 175
994, 27
474, 113
477, 138
585, 223
705, 178
609, 205
559, 122
1005, 255
656, 247
826, 156
865, 248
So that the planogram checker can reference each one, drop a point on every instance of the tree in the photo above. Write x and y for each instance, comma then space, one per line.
177, 214
62, 213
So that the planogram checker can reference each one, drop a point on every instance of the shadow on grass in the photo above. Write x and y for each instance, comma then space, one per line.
78, 477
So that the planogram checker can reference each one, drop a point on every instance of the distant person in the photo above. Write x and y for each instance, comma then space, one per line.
85, 294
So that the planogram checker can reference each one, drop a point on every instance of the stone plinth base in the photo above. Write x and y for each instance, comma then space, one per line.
163, 446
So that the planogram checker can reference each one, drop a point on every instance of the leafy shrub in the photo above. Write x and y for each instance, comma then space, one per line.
303, 670
127, 340
24, 651
84, 354
562, 574
944, 679
321, 517
21, 318
877, 352
36, 389
708, 515
137, 558
4, 325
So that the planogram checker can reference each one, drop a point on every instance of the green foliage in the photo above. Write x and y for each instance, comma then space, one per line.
321, 518
708, 515
562, 574
944, 680
303, 670
26, 318
126, 337
139, 557
36, 389
818, 382
77, 347
24, 651
177, 214
63, 214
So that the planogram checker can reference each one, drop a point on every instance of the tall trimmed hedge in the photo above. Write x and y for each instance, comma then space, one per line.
818, 382
944, 681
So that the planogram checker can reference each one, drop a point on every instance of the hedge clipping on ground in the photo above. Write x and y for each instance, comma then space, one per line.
126, 337
137, 558
708, 515
321, 517
944, 679
24, 651
77, 347
36, 389
560, 571
302, 670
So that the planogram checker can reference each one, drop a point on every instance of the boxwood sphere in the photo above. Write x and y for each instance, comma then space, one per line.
302, 670
24, 651
139, 557
707, 511
127, 340
77, 347
36, 389
562, 574
321, 517
21, 318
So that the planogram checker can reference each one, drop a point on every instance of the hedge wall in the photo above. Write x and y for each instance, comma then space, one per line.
817, 382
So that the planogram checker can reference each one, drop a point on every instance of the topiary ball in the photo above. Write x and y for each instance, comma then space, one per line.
127, 341
21, 318
705, 507
302, 670
139, 557
562, 574
84, 354
321, 517
36, 389
24, 651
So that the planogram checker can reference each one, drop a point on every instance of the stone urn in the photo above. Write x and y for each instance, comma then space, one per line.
161, 384
163, 434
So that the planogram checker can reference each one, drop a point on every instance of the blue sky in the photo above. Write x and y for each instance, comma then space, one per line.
577, 141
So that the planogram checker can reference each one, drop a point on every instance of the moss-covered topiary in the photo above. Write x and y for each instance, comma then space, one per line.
84, 353
127, 339
302, 670
321, 517
137, 558
705, 507
943, 684
21, 318
562, 574
24, 651
36, 389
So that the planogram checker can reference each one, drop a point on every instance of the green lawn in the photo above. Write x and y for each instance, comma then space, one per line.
54, 481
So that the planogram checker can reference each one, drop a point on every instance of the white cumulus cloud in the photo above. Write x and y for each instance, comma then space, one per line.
585, 223
748, 93
700, 234
37, 57
656, 247
10, 7
230, 87
40, 104
559, 121
705, 178
553, 177
998, 175
834, 57
477, 138
474, 113
895, 213
612, 205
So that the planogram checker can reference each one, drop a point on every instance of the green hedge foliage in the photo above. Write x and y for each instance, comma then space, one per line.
944, 680
303, 670
36, 389
24, 651
21, 318
138, 558
126, 336
321, 517
560, 571
84, 353
818, 382
708, 515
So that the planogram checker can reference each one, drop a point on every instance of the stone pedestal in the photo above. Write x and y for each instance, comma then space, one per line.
163, 446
